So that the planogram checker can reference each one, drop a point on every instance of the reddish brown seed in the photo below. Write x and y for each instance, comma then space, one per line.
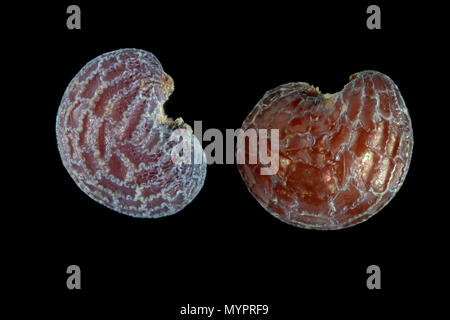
115, 139
342, 156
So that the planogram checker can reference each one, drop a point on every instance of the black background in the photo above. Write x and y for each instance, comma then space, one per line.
224, 248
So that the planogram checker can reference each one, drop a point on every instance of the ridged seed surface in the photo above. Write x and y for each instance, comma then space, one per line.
343, 156
114, 137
